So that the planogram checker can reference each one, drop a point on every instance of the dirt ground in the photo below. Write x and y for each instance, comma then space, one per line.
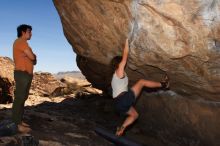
71, 121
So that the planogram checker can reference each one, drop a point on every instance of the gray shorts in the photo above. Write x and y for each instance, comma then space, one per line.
124, 101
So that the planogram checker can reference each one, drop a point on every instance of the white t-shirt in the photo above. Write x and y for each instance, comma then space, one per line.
119, 85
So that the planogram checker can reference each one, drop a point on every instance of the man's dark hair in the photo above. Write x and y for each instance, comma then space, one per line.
115, 62
22, 27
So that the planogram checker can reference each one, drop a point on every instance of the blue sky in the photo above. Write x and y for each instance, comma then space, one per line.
48, 42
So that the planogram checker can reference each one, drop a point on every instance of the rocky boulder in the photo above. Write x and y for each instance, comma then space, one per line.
78, 86
6, 80
180, 38
45, 84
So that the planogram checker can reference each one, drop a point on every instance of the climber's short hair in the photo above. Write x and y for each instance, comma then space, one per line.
115, 62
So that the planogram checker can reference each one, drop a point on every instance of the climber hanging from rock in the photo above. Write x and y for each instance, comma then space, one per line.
125, 97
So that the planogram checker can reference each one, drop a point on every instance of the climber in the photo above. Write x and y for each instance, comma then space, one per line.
125, 97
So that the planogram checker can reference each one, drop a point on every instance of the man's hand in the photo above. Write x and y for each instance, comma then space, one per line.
35, 60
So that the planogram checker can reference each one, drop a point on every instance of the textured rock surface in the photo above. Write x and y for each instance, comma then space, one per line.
6, 80
178, 37
45, 84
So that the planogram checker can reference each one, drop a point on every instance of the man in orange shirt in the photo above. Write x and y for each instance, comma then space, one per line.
24, 60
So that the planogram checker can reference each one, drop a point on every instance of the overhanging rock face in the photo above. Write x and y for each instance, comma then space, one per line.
180, 38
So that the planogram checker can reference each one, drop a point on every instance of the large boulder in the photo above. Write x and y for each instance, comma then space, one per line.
46, 85
180, 38
6, 80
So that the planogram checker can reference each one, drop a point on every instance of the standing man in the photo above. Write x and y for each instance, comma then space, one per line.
24, 60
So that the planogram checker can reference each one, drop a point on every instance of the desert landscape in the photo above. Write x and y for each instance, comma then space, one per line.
179, 39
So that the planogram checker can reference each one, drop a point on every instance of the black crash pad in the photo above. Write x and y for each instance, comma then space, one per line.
117, 140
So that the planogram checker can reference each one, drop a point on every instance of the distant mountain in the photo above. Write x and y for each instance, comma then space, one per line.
74, 74
67, 72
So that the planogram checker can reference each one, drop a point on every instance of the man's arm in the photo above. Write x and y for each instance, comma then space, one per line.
31, 55
35, 61
120, 70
